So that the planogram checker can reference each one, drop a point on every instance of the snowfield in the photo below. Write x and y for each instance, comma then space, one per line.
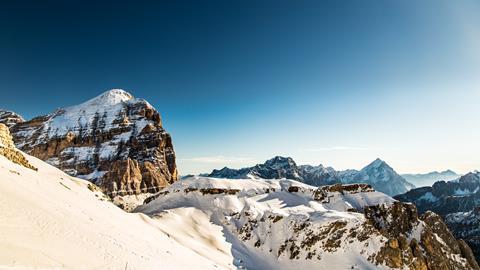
52, 221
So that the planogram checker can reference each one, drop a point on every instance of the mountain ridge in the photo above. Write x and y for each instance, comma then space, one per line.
378, 174
428, 179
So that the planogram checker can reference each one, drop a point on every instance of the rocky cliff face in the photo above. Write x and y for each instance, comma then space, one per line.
417, 242
10, 118
8, 150
114, 140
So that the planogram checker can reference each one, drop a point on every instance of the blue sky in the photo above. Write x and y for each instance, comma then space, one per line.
236, 82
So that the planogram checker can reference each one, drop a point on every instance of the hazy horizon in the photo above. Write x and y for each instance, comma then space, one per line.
339, 84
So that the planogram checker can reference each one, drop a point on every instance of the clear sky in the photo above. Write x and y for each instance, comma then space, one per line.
237, 82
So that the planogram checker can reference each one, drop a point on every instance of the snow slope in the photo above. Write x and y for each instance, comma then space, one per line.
52, 221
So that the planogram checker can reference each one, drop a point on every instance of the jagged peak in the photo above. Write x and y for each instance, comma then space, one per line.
277, 159
223, 169
470, 177
377, 163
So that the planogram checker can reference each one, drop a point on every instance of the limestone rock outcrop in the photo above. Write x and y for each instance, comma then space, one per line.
8, 150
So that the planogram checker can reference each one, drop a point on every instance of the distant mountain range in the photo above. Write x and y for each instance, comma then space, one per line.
466, 225
444, 197
378, 174
427, 179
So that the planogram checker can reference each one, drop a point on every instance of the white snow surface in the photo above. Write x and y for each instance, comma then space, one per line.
50, 220
109, 105
274, 213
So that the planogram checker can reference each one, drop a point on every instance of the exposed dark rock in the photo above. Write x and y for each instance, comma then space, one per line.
400, 220
324, 193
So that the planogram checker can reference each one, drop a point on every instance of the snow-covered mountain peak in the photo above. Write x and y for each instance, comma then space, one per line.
377, 163
379, 166
280, 162
383, 177
108, 98
104, 140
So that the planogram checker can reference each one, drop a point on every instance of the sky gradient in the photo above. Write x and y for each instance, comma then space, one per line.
237, 82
